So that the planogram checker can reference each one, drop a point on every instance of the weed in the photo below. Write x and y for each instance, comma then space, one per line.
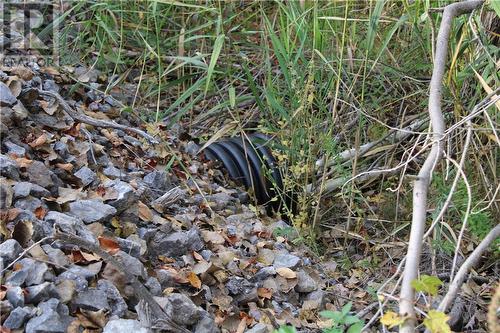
342, 321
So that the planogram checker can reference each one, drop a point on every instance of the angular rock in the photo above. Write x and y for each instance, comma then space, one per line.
39, 174
182, 310
134, 265
115, 299
315, 300
124, 325
8, 168
86, 175
10, 250
53, 318
206, 325
91, 211
56, 256
17, 318
20, 112
5, 307
176, 244
286, 260
13, 148
37, 272
130, 247
264, 273
61, 148
6, 195
92, 299
126, 196
158, 180
243, 290
69, 224
112, 172
266, 256
15, 296
79, 274
16, 278
66, 290
6, 97
305, 283
24, 189
29, 203
41, 292
154, 286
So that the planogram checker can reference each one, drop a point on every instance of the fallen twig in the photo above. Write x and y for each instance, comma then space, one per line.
20, 256
395, 134
92, 121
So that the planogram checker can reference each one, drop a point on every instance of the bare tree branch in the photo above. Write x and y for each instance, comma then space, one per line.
424, 177
471, 261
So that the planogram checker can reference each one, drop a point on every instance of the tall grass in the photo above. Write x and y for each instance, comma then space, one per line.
321, 78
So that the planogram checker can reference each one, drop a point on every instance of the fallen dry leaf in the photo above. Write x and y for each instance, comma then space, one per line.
69, 194
287, 273
92, 319
194, 280
145, 213
65, 166
22, 162
265, 292
212, 237
40, 212
49, 107
109, 245
42, 139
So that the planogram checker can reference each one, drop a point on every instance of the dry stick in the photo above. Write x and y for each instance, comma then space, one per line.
138, 288
83, 118
466, 266
395, 134
21, 255
423, 180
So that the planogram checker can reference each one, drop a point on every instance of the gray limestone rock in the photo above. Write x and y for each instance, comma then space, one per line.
126, 195
6, 195
10, 250
6, 97
41, 292
8, 168
92, 299
15, 296
24, 189
91, 211
86, 175
124, 325
182, 310
305, 283
53, 318
18, 318
115, 299
286, 260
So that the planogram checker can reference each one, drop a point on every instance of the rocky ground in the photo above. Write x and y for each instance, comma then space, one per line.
97, 237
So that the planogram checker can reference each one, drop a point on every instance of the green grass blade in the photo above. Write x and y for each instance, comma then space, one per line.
219, 42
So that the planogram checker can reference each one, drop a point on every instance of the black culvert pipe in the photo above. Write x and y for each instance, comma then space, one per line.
246, 163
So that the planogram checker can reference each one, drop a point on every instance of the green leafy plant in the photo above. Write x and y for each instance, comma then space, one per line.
428, 284
342, 320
